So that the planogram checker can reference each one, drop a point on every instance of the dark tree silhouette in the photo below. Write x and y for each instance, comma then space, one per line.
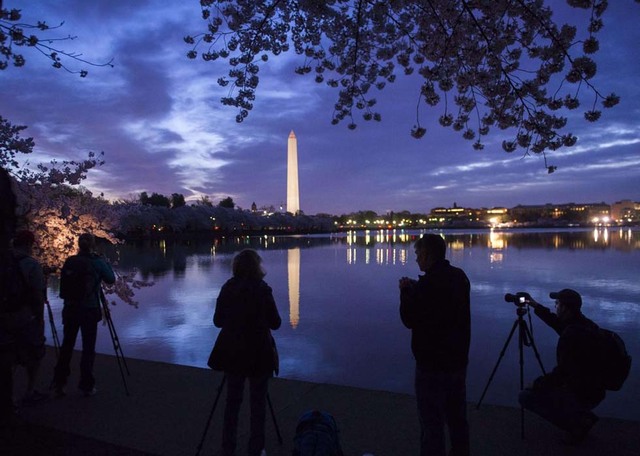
16, 36
227, 202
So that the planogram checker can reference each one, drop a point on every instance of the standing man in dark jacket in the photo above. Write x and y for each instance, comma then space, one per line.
566, 395
436, 308
80, 287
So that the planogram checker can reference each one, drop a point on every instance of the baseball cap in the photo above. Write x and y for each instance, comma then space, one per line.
568, 297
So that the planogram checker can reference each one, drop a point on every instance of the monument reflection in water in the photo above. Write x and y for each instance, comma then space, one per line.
340, 294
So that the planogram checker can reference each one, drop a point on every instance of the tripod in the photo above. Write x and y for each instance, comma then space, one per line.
114, 338
213, 409
54, 332
525, 338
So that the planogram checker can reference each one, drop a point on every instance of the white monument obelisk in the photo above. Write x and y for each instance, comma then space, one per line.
293, 195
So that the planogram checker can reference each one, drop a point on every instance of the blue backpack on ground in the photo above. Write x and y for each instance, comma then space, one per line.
316, 435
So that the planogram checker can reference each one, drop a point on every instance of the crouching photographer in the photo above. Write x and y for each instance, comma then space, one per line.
567, 394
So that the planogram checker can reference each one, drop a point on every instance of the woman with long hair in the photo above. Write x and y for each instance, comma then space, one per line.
246, 313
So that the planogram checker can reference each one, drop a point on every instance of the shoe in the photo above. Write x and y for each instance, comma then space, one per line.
89, 392
33, 398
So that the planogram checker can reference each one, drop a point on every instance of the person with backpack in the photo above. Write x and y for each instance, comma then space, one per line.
567, 395
21, 322
81, 279
30, 340
244, 350
436, 308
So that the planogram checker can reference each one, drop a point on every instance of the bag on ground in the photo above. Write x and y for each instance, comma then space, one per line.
616, 362
316, 435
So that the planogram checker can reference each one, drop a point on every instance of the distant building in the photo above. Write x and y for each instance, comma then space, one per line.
496, 215
625, 211
452, 216
568, 214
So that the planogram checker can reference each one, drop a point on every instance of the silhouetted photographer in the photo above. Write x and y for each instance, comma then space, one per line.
567, 394
80, 287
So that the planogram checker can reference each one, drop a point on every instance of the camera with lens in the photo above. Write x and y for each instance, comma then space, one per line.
520, 299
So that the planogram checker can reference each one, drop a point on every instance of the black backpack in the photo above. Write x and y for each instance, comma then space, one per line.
14, 291
78, 279
316, 435
615, 361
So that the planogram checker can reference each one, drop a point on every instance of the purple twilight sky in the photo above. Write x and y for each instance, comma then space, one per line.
158, 118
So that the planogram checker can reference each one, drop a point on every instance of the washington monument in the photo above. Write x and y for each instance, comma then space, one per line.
293, 195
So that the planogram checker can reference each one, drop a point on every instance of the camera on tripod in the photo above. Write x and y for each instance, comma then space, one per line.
520, 299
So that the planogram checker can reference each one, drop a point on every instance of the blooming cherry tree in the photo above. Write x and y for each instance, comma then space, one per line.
57, 212
499, 64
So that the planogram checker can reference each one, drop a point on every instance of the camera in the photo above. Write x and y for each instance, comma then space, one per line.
520, 299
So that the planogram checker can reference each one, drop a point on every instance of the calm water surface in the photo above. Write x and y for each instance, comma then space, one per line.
338, 297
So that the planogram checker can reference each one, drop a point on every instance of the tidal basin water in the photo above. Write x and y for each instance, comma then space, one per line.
338, 298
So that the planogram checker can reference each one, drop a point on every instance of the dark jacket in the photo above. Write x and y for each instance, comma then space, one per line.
35, 282
437, 310
577, 364
246, 312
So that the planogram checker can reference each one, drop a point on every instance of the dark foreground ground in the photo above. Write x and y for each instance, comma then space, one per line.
168, 407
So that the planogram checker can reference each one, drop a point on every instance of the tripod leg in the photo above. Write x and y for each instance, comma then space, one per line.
213, 409
504, 349
273, 416
112, 330
116, 341
535, 349
124, 380
522, 334
54, 332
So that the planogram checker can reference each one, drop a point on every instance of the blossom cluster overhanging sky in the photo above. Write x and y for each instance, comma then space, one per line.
158, 118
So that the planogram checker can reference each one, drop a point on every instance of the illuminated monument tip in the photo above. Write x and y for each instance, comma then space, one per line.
293, 195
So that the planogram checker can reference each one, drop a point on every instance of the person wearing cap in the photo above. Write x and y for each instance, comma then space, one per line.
567, 395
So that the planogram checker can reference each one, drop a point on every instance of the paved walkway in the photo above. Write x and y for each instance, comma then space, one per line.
168, 407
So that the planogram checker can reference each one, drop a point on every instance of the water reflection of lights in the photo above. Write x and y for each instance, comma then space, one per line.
496, 240
381, 255
293, 268
496, 257
598, 232
351, 255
